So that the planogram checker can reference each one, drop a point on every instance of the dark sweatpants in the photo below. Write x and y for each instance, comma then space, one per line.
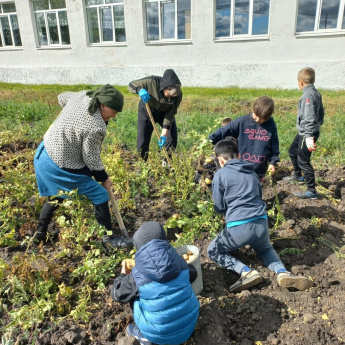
300, 158
145, 130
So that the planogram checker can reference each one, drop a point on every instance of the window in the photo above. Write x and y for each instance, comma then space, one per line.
239, 18
51, 22
320, 16
106, 21
168, 20
9, 29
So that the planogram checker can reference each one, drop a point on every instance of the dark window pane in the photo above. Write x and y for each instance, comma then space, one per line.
53, 29
183, 19
107, 24
64, 31
0, 41
223, 12
329, 14
15, 30
343, 25
152, 22
7, 8
306, 15
6, 31
92, 21
113, 1
57, 4
168, 20
94, 2
41, 29
41, 5
241, 19
119, 17
260, 17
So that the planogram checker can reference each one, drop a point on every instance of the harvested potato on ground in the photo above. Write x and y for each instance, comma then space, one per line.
185, 256
191, 258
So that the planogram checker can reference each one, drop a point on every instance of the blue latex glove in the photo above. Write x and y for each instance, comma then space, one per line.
144, 95
162, 142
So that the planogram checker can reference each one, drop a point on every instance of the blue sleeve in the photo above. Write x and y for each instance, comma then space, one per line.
274, 148
218, 195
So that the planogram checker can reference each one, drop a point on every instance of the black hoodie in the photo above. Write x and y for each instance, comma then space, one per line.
155, 85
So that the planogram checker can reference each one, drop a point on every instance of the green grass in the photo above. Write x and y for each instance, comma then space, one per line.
28, 110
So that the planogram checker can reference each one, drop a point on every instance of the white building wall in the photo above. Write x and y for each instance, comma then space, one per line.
271, 63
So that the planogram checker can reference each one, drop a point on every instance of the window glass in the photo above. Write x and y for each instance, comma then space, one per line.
168, 20
260, 17
107, 24
15, 30
113, 1
119, 16
41, 29
6, 31
241, 19
63, 22
1, 45
152, 21
343, 25
41, 5
183, 19
306, 15
53, 29
7, 8
94, 2
329, 14
223, 12
92, 20
56, 4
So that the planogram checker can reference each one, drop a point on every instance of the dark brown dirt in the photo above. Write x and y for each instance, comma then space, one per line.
312, 236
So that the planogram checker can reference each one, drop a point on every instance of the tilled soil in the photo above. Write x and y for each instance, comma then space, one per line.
310, 241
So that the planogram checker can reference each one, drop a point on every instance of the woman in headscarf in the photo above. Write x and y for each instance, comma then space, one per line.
69, 156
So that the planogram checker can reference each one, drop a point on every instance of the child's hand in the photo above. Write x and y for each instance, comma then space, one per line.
124, 269
127, 265
271, 169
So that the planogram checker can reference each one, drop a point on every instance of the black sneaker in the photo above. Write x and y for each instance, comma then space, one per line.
247, 280
117, 241
40, 236
290, 280
293, 178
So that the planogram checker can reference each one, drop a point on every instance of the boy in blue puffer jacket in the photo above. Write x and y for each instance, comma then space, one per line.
159, 290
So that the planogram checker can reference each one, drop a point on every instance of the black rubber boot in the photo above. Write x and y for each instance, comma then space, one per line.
102, 214
46, 216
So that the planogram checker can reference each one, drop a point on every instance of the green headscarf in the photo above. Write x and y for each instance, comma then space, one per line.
108, 96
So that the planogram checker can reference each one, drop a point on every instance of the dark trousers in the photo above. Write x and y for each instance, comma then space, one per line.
102, 214
145, 130
300, 158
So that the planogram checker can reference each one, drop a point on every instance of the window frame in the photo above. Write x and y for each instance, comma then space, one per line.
8, 15
162, 41
45, 12
100, 31
322, 32
242, 37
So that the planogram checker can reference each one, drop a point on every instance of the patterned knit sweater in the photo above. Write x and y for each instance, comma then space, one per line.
74, 140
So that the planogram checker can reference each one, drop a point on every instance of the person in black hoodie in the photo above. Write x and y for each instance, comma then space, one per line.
165, 308
237, 192
163, 95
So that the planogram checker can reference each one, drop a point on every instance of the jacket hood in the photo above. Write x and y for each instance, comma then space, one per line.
240, 165
169, 78
158, 261
148, 232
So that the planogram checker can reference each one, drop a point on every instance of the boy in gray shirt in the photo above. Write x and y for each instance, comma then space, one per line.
309, 119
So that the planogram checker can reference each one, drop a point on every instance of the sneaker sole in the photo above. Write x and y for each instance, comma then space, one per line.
249, 283
299, 283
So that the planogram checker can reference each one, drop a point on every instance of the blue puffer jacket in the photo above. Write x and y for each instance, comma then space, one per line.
168, 309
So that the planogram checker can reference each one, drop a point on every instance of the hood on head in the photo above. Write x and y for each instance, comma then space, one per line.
240, 165
147, 232
169, 78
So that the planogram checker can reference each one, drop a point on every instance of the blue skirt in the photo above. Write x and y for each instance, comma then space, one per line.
51, 179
